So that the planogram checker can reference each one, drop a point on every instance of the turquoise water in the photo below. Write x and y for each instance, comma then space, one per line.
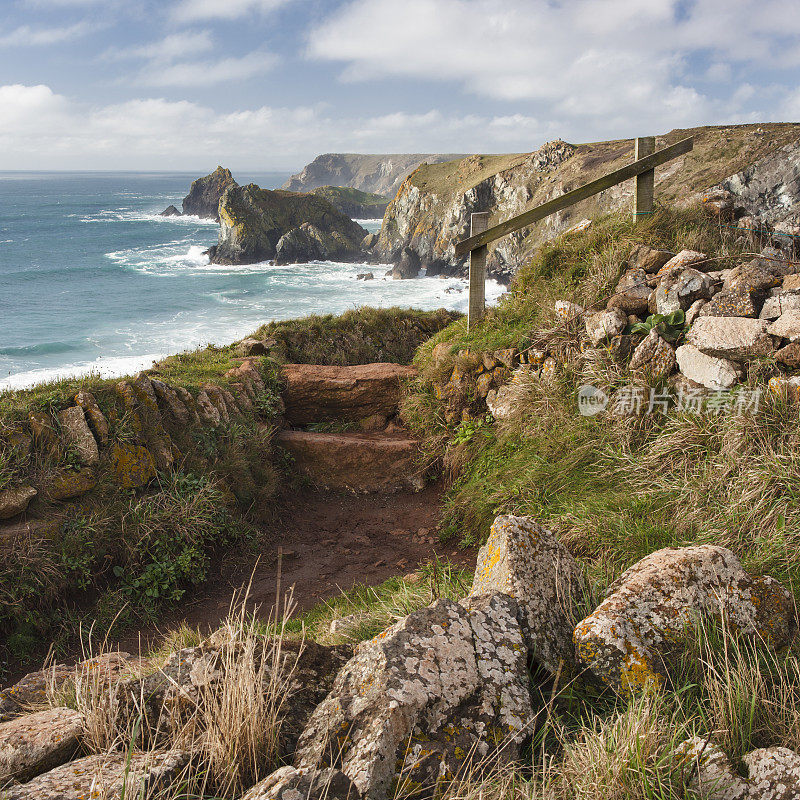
92, 279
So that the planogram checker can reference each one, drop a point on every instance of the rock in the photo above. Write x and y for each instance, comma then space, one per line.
77, 436
365, 276
787, 326
253, 221
170, 211
205, 194
111, 776
525, 561
444, 686
791, 282
788, 388
44, 434
568, 311
369, 241
678, 290
779, 304
170, 400
773, 773
789, 355
95, 417
70, 483
15, 500
354, 203
360, 462
289, 783
509, 357
734, 303
38, 742
719, 203
736, 338
252, 347
648, 259
751, 277
632, 293
132, 465
408, 265
141, 406
693, 312
686, 258
719, 374
630, 640
208, 412
654, 356
605, 324
316, 393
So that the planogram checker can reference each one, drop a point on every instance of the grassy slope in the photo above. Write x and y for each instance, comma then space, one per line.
351, 195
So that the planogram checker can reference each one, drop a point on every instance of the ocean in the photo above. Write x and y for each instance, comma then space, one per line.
93, 280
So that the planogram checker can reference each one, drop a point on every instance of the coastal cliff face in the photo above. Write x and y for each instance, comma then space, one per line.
205, 193
353, 202
432, 208
379, 174
259, 224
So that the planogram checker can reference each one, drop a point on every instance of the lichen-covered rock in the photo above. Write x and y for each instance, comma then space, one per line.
773, 773
567, 311
686, 258
172, 402
77, 435
442, 686
789, 355
208, 412
15, 500
525, 561
603, 325
779, 304
141, 407
734, 303
290, 783
132, 465
735, 338
678, 290
110, 776
205, 193
786, 326
788, 388
37, 742
97, 420
713, 373
753, 276
72, 483
629, 641
654, 356
648, 259
632, 292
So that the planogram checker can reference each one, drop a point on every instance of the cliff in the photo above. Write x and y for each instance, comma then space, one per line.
380, 174
432, 208
205, 193
353, 202
259, 224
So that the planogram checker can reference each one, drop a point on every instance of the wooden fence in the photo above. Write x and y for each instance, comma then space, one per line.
646, 159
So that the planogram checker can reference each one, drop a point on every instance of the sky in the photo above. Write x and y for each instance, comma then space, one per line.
270, 84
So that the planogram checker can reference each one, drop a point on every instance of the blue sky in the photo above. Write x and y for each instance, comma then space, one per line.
269, 84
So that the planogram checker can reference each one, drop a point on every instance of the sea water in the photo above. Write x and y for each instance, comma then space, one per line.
94, 280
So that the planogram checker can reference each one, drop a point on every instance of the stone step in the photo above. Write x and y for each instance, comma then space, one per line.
359, 462
315, 393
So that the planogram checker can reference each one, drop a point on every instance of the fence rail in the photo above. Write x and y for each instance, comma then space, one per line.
642, 168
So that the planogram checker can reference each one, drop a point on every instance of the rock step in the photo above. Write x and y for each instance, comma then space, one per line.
359, 462
316, 393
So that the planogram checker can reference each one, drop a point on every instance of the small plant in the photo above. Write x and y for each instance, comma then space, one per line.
668, 326
468, 429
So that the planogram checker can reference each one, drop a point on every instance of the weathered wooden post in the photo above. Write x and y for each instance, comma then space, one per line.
645, 183
479, 222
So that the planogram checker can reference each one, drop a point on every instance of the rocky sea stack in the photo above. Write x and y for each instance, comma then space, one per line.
259, 224
205, 193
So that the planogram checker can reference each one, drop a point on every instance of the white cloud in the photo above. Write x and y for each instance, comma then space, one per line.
27, 36
192, 10
40, 129
176, 45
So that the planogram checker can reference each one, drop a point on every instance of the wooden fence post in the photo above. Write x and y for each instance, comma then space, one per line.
645, 183
479, 222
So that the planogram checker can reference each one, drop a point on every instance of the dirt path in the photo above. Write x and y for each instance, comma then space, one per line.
330, 542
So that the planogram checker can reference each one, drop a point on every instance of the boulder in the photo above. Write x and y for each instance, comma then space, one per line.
525, 561
686, 258
603, 325
786, 326
734, 303
693, 312
736, 338
442, 687
77, 436
654, 356
779, 304
566, 311
70, 483
15, 500
648, 259
316, 393
207, 411
205, 194
752, 276
632, 639
359, 462
170, 401
132, 465
407, 266
369, 241
38, 742
789, 355
632, 293
141, 407
714, 373
111, 776
94, 416
773, 773
789, 388
170, 211
678, 290
254, 220
791, 282
289, 783
365, 276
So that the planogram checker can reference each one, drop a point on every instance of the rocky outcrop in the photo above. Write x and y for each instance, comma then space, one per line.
255, 222
632, 639
353, 202
379, 174
205, 194
289, 783
170, 211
